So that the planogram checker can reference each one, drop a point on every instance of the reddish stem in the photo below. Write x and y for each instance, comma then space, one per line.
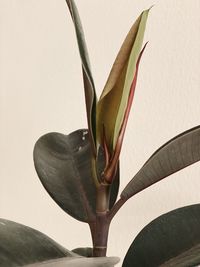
99, 230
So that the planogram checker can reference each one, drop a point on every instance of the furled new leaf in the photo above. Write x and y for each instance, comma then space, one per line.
63, 164
21, 245
180, 152
113, 159
113, 101
172, 239
90, 94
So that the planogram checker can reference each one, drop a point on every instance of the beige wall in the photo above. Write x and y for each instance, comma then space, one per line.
41, 91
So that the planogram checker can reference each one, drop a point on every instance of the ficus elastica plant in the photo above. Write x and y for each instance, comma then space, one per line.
81, 172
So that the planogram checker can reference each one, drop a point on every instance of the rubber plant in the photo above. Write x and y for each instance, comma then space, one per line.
81, 173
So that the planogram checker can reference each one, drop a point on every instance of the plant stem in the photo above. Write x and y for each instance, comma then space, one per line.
116, 208
100, 230
103, 198
100, 227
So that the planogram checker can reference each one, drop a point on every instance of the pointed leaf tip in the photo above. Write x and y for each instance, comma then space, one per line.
151, 7
178, 153
111, 166
90, 93
113, 101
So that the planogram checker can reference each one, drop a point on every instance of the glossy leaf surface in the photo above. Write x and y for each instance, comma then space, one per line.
21, 245
172, 239
63, 164
80, 262
90, 94
180, 152
113, 101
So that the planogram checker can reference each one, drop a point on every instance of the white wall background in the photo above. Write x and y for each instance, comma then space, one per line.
41, 91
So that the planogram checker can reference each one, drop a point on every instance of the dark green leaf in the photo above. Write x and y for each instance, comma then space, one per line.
80, 262
188, 258
90, 94
172, 239
63, 164
21, 245
85, 252
180, 152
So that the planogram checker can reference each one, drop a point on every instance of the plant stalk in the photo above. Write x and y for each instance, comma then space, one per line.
100, 228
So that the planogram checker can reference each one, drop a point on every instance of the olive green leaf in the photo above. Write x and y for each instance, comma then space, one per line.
80, 262
63, 164
178, 153
90, 94
113, 101
21, 245
112, 160
172, 239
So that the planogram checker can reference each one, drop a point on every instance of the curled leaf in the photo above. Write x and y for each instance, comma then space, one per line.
63, 164
113, 102
112, 163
